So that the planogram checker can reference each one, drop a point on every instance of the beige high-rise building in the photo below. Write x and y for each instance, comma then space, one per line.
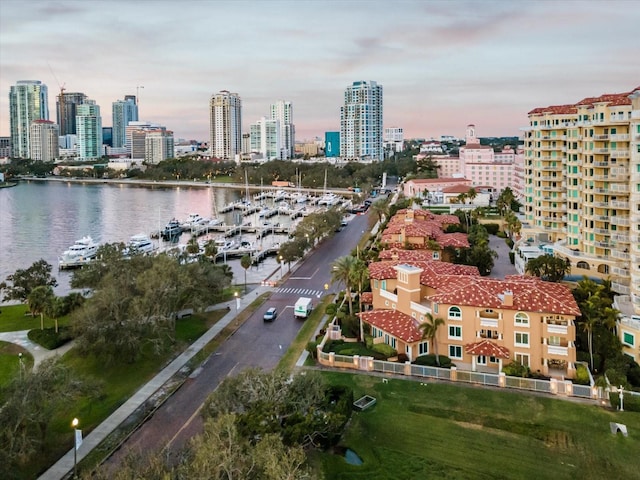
43, 141
225, 109
582, 188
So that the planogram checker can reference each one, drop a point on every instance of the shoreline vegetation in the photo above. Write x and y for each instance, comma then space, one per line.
8, 184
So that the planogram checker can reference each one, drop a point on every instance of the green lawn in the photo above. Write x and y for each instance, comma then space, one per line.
16, 317
111, 386
10, 361
460, 432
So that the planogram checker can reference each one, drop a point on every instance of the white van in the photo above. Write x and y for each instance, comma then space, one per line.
303, 307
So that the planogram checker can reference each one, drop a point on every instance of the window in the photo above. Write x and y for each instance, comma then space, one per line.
482, 360
383, 284
436, 255
455, 351
455, 313
522, 339
455, 331
423, 348
628, 339
522, 319
554, 340
522, 358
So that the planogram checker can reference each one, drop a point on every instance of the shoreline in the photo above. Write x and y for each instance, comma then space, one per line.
180, 183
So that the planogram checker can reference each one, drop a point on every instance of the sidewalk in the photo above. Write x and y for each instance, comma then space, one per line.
65, 465
39, 353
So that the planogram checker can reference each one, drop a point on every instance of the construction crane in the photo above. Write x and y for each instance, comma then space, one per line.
61, 111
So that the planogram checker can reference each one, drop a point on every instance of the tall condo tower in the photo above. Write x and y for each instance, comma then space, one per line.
43, 141
89, 125
123, 111
225, 111
361, 133
28, 101
66, 111
283, 112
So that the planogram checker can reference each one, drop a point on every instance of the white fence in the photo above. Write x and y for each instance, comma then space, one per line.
553, 386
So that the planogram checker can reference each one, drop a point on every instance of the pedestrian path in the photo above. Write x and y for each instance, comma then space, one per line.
38, 352
303, 292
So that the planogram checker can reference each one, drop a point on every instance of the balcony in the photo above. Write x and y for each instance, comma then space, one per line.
618, 188
559, 329
601, 137
620, 154
602, 231
619, 204
601, 150
620, 255
619, 137
602, 164
621, 287
622, 221
621, 272
558, 350
620, 237
388, 295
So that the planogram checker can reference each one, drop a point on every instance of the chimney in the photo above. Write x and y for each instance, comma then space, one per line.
507, 298
408, 286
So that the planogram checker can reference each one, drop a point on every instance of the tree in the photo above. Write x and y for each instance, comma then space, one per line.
430, 331
359, 276
342, 273
380, 208
472, 194
245, 262
193, 248
23, 281
548, 267
39, 299
55, 309
210, 250
505, 200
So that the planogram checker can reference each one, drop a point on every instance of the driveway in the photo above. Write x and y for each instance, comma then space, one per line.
502, 266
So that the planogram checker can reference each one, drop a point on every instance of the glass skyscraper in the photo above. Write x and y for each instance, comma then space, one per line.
28, 101
124, 111
361, 132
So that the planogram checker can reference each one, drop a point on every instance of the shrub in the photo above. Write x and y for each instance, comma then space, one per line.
312, 348
49, 339
509, 242
501, 234
384, 349
631, 402
350, 326
516, 369
331, 345
368, 340
582, 375
331, 309
492, 228
429, 360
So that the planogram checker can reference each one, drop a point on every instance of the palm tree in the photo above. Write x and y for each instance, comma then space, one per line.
430, 330
211, 250
55, 309
360, 274
341, 272
245, 261
38, 300
380, 208
472, 194
192, 246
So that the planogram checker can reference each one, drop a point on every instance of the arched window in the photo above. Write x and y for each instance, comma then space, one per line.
583, 264
521, 319
455, 313
604, 268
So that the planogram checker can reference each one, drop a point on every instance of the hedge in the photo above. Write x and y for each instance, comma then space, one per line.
49, 339
429, 360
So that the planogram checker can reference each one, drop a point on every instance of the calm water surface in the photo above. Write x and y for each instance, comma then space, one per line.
42, 219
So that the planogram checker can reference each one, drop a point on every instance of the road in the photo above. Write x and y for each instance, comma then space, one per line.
502, 265
254, 344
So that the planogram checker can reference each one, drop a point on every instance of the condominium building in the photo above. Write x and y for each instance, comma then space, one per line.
582, 191
28, 101
158, 146
89, 128
488, 323
393, 140
361, 133
66, 111
265, 139
5, 147
123, 112
44, 138
283, 112
136, 135
225, 111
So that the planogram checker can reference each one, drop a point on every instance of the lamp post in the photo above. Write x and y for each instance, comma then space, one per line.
280, 262
21, 362
74, 423
621, 399
235, 294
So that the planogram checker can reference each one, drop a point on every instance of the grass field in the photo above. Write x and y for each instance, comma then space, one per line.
443, 431
16, 317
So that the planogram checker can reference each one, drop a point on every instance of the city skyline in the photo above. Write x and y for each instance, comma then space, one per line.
443, 65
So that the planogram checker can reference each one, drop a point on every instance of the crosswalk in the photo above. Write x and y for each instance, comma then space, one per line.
303, 292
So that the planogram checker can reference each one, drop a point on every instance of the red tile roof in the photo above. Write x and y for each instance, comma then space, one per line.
395, 323
530, 294
486, 348
404, 255
367, 298
434, 273
609, 98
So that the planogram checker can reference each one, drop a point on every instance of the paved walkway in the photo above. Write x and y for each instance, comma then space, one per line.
64, 466
39, 353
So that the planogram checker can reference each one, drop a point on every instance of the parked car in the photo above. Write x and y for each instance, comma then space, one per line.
270, 315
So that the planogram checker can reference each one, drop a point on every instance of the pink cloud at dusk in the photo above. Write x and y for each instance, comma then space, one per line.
443, 64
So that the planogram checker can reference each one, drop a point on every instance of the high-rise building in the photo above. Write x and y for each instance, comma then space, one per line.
158, 145
265, 139
28, 101
361, 134
89, 128
283, 112
43, 141
582, 188
123, 111
393, 140
5, 147
225, 110
66, 111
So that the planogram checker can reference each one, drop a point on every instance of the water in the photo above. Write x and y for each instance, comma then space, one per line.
39, 220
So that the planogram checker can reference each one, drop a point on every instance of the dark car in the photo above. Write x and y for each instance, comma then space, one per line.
270, 315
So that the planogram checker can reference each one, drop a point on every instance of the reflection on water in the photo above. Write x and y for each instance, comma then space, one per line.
41, 219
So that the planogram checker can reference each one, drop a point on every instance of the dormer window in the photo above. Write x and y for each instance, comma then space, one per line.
455, 313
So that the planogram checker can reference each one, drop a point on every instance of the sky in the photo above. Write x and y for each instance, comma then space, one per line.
442, 64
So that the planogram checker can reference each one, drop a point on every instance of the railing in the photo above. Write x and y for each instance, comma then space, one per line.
561, 329
558, 350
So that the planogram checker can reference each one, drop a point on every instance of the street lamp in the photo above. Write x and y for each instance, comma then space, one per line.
21, 361
280, 262
74, 423
235, 294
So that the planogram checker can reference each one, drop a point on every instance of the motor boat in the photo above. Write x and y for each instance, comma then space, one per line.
172, 230
140, 243
194, 220
80, 252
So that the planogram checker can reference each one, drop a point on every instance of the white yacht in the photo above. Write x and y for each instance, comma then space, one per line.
194, 220
299, 197
140, 243
329, 199
84, 250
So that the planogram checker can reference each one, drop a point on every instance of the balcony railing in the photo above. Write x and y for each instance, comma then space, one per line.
558, 350
617, 220
620, 255
560, 329
619, 204
619, 137
620, 154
